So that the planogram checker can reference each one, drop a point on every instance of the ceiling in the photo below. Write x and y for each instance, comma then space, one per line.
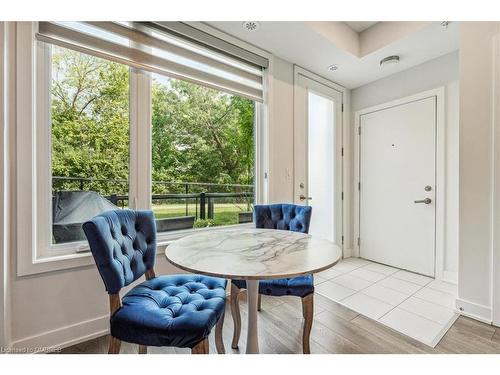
300, 44
360, 26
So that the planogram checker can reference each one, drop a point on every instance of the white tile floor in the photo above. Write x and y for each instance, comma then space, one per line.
415, 305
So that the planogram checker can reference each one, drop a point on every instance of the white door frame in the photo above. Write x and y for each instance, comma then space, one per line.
297, 70
440, 169
495, 278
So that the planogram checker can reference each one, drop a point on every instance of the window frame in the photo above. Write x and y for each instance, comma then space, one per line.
33, 150
43, 155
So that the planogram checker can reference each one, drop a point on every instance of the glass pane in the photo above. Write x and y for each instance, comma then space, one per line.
321, 165
203, 156
90, 140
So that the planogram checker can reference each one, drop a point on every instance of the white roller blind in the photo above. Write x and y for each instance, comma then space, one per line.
154, 48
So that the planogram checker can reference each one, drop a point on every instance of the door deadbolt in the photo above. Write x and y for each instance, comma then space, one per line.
428, 188
301, 185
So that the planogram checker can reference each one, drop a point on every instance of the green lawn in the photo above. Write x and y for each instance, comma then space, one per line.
224, 213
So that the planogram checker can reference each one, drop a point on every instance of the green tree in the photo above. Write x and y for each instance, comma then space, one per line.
201, 135
90, 120
198, 134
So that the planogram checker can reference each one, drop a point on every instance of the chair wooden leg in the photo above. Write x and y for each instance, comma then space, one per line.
307, 312
143, 349
259, 302
235, 313
219, 342
114, 345
201, 347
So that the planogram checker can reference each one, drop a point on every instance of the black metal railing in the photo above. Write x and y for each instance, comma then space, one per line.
204, 195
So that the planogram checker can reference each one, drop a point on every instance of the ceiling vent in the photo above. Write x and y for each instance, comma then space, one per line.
251, 26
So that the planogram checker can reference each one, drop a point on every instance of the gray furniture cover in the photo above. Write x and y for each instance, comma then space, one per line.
70, 209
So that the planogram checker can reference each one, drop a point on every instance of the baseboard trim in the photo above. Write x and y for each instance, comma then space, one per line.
474, 310
65, 336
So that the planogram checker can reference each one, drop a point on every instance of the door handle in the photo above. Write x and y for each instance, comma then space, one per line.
302, 197
426, 201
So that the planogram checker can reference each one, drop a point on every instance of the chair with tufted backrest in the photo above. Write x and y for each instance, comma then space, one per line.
284, 217
174, 310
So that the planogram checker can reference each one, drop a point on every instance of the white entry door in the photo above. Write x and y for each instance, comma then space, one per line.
317, 156
397, 186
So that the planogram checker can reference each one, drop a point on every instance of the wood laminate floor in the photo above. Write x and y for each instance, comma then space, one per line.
336, 329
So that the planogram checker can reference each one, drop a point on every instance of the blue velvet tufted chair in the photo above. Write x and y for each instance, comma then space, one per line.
175, 310
285, 217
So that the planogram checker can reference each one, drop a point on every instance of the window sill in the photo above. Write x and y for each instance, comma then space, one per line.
26, 267
81, 256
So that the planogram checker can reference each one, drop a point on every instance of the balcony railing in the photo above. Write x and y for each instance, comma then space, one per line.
203, 196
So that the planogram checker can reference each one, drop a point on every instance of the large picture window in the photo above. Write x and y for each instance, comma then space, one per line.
139, 115
89, 123
202, 156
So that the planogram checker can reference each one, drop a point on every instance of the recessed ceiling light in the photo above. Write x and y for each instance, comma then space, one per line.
251, 26
333, 67
389, 60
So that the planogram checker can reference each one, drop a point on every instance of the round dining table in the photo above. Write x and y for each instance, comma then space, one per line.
252, 255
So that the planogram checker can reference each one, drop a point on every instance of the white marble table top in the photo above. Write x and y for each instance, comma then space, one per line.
253, 254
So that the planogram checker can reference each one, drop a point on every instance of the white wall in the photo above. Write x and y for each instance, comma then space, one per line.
452, 113
281, 133
3, 185
423, 77
442, 71
7, 172
476, 166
